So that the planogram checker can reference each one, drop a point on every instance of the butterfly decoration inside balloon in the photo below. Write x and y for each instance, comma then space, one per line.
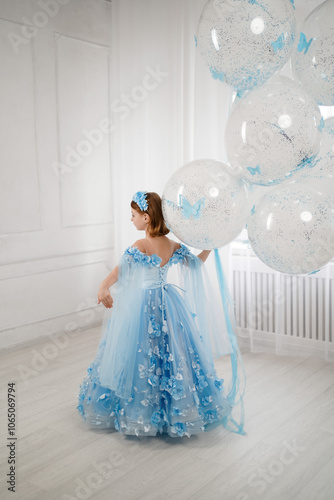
217, 75
303, 43
279, 43
187, 209
254, 171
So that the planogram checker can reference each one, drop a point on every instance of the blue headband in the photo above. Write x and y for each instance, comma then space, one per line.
140, 199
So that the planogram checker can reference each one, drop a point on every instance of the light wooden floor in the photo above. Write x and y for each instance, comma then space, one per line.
287, 454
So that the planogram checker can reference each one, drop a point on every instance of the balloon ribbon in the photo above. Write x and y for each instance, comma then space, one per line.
235, 355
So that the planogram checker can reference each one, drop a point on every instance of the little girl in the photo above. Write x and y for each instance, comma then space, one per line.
154, 371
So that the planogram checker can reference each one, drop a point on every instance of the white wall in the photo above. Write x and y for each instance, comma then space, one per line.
56, 219
56, 224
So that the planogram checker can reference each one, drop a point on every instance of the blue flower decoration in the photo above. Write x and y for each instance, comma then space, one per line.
80, 409
135, 255
155, 418
154, 329
153, 361
211, 415
177, 392
179, 254
81, 397
155, 260
140, 199
202, 383
219, 383
153, 380
207, 400
179, 428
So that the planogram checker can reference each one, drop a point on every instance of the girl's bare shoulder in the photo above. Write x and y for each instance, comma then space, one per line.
140, 244
173, 244
143, 244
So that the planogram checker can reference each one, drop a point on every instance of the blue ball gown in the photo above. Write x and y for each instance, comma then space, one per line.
154, 371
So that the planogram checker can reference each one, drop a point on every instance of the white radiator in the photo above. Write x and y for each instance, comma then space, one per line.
292, 311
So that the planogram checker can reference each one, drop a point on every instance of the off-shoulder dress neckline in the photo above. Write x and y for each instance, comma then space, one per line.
157, 259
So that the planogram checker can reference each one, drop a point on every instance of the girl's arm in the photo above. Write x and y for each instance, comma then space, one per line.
204, 255
104, 295
110, 279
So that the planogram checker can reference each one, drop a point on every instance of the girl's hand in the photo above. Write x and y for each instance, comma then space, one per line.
105, 297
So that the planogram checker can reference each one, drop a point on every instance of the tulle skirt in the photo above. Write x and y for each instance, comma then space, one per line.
175, 389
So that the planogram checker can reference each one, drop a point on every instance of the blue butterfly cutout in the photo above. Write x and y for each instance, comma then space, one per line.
303, 43
216, 74
279, 44
253, 171
189, 210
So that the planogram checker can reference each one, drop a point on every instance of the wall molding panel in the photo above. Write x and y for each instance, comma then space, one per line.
56, 228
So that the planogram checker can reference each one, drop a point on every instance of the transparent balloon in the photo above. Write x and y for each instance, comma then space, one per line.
291, 229
244, 42
272, 132
313, 58
205, 204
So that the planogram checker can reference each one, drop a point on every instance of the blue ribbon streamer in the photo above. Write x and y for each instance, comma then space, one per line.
235, 355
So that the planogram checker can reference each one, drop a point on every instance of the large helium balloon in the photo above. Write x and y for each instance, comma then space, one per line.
205, 204
291, 229
244, 42
273, 131
313, 58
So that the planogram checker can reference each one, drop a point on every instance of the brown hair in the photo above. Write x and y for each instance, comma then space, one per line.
157, 226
